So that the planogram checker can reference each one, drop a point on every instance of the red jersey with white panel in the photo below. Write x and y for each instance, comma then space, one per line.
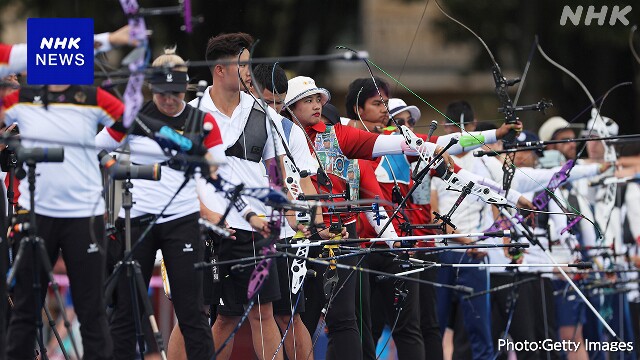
335, 145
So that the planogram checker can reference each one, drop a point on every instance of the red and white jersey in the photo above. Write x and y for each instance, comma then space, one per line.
13, 59
72, 188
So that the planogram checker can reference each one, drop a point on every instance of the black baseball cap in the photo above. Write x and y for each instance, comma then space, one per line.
169, 82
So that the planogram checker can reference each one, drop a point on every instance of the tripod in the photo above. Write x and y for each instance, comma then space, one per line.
39, 258
137, 286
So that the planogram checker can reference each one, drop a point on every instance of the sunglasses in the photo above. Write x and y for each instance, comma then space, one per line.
411, 121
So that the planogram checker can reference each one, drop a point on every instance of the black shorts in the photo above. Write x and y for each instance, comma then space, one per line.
232, 288
287, 298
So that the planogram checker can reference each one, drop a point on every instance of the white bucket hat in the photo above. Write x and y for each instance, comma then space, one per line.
554, 124
396, 106
303, 86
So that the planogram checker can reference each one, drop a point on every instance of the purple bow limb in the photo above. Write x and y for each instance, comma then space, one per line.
498, 225
260, 273
571, 224
133, 98
542, 199
130, 7
503, 223
188, 26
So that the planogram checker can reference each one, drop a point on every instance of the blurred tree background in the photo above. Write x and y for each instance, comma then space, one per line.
598, 55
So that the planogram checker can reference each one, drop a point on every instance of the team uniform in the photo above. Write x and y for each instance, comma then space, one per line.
474, 212
335, 145
176, 232
392, 171
69, 209
615, 306
248, 139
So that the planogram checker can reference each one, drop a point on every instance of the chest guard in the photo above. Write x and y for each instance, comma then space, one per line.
250, 145
335, 162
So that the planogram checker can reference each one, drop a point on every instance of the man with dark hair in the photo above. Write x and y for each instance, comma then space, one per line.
459, 115
273, 81
249, 140
227, 46
364, 93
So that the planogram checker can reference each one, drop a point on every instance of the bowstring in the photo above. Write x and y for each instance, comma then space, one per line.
415, 35
291, 306
241, 85
479, 140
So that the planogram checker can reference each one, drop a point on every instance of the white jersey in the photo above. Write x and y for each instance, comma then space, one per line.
472, 215
238, 170
72, 188
150, 197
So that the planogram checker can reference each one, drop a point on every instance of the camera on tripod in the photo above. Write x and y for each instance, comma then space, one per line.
122, 171
15, 154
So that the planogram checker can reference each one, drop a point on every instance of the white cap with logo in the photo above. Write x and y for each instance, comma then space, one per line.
303, 86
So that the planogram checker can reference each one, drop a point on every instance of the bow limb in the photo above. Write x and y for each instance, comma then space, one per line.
133, 97
507, 107
561, 177
566, 71
633, 48
526, 71
186, 14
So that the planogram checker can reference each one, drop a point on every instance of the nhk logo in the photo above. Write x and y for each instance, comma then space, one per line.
59, 51
617, 14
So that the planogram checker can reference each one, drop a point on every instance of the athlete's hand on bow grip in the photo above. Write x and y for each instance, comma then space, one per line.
303, 228
326, 235
448, 160
260, 225
214, 218
503, 130
524, 203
